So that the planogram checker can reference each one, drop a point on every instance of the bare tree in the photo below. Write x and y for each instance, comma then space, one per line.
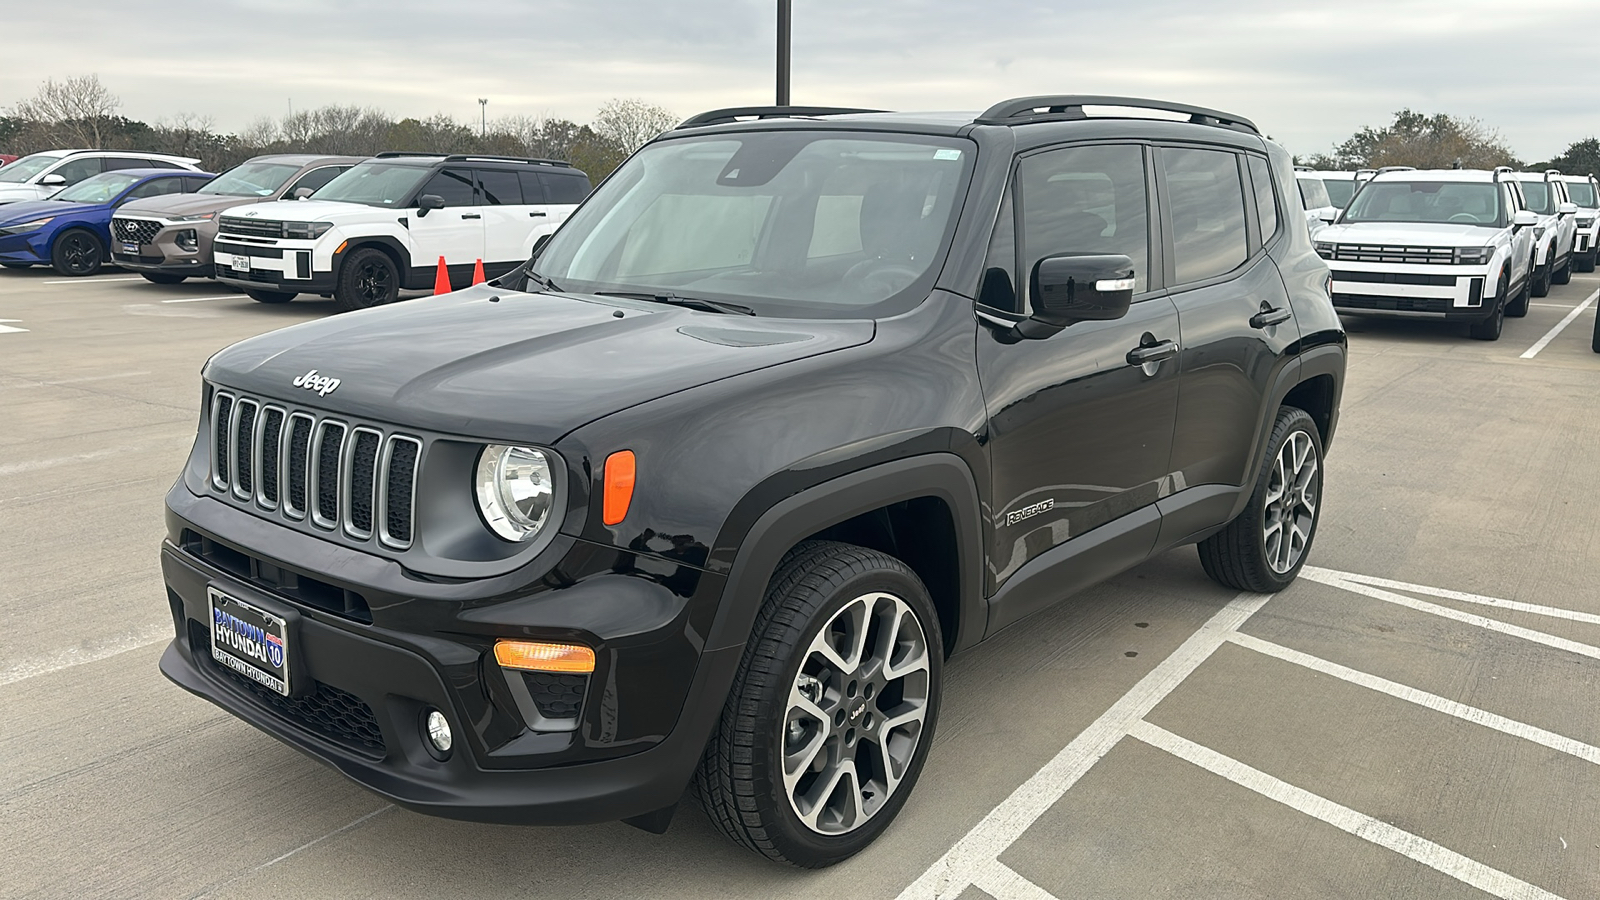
79, 110
630, 123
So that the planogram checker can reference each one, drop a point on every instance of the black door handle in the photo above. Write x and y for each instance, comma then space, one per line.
536, 215
1270, 317
1138, 356
471, 216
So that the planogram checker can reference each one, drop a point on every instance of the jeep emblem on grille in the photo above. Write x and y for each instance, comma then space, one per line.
311, 381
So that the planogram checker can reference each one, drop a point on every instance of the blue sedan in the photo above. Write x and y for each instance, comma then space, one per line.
72, 230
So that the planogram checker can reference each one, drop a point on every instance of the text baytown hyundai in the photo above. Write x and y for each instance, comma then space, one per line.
797, 404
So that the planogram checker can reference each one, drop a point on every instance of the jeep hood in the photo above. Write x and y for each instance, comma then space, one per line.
170, 205
528, 368
1410, 234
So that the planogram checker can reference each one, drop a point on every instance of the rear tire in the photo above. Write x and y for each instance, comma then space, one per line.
163, 278
1263, 549
368, 278
270, 296
832, 712
77, 252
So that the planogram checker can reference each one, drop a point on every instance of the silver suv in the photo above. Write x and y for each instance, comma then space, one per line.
39, 175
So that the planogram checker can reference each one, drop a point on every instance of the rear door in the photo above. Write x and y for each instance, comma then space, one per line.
508, 220
454, 232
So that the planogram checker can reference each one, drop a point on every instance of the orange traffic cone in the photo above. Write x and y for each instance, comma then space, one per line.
441, 282
477, 273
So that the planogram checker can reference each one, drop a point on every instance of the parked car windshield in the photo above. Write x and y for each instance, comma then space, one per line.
251, 180
1465, 203
1340, 190
99, 189
27, 167
1539, 197
1582, 193
375, 184
1313, 193
800, 223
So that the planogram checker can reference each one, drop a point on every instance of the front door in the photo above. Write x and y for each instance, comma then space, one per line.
455, 232
1079, 434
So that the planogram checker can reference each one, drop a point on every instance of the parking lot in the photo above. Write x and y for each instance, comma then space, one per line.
1414, 718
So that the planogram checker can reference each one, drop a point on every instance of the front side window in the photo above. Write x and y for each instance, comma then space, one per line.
316, 178
803, 223
374, 184
101, 188
1085, 200
77, 170
1539, 197
1461, 203
1583, 194
251, 179
27, 167
454, 185
1206, 202
1340, 190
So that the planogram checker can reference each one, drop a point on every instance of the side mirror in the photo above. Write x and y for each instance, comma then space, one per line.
1083, 288
302, 193
1328, 214
52, 180
427, 202
1525, 218
1567, 209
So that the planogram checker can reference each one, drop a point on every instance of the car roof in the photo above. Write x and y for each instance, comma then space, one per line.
1324, 173
1467, 176
1532, 176
306, 159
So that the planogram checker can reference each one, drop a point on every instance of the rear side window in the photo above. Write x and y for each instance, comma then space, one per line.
1266, 200
500, 188
564, 188
1206, 202
454, 185
1086, 200
532, 188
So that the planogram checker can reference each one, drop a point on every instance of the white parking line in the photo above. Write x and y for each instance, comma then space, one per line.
216, 886
1552, 611
198, 299
1376, 831
34, 465
1550, 335
975, 852
1001, 882
1434, 702
77, 656
10, 329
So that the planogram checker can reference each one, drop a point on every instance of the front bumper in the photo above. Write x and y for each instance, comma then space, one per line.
28, 247
1414, 290
166, 255
367, 687
287, 266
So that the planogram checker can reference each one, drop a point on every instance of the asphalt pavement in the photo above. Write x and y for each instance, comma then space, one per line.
1414, 718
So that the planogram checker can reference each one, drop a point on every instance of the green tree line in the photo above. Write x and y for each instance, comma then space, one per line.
1441, 141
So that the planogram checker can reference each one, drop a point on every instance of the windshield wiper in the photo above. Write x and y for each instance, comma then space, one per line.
672, 299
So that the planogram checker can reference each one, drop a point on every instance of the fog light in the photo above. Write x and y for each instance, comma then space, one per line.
438, 731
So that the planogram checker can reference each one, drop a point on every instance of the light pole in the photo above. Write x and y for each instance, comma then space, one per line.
483, 116
783, 52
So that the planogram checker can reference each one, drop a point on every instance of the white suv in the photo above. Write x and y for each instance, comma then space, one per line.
1320, 208
1453, 245
39, 175
1546, 194
1339, 186
1584, 192
384, 225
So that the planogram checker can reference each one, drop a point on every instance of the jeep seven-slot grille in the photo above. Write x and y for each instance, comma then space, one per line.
1441, 256
135, 231
353, 479
253, 227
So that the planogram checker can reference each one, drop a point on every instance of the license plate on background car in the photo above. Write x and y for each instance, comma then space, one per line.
241, 263
250, 641
130, 248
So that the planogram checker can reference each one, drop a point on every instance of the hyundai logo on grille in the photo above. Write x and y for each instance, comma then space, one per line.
322, 384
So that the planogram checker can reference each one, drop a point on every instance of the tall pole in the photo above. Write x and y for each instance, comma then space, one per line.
483, 116
783, 52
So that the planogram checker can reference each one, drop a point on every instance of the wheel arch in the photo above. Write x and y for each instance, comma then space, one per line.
390, 246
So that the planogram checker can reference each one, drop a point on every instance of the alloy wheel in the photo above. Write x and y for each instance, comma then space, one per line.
855, 713
79, 254
372, 283
1290, 511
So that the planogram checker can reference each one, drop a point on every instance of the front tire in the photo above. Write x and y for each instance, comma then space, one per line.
1541, 279
368, 278
270, 296
77, 252
1517, 306
1490, 329
1263, 549
1587, 260
1563, 275
832, 713
163, 278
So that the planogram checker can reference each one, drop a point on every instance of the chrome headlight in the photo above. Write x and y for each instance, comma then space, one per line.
516, 490
1473, 256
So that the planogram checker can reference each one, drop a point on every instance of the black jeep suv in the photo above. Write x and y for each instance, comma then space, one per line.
797, 404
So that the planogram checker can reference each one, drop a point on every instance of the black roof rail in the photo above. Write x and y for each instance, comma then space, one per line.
1054, 108
486, 157
735, 113
396, 154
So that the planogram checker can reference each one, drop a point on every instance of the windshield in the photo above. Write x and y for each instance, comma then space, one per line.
27, 167
1582, 193
1313, 193
1340, 190
251, 180
1539, 197
801, 223
1465, 203
99, 189
375, 184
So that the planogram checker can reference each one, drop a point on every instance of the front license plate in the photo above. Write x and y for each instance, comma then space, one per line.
241, 263
250, 641
130, 248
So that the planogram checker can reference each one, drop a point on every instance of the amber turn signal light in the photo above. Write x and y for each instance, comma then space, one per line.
620, 470
537, 656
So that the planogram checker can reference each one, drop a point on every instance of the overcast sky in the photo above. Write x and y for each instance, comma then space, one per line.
1308, 73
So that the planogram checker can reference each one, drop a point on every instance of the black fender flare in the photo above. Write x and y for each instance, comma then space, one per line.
1325, 359
945, 476
401, 256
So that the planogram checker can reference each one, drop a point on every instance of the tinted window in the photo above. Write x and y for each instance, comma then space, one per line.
1313, 192
997, 290
113, 163
1539, 197
564, 188
500, 188
77, 170
532, 188
315, 179
1583, 194
1207, 209
1085, 200
195, 184
1470, 203
375, 184
1340, 190
454, 185
1266, 200
156, 188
